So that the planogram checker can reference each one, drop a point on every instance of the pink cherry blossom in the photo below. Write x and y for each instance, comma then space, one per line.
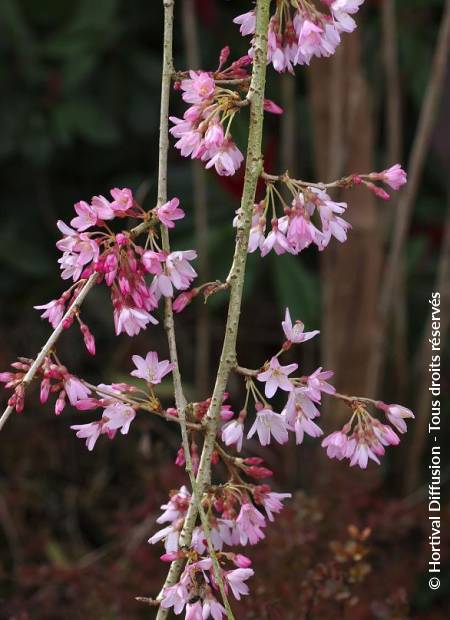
272, 503
152, 261
276, 376
54, 311
131, 320
275, 240
394, 176
150, 369
338, 445
122, 199
226, 159
118, 416
235, 579
296, 333
199, 88
169, 212
247, 23
317, 383
268, 424
396, 414
194, 611
103, 208
86, 216
250, 523
75, 389
91, 432
212, 607
233, 434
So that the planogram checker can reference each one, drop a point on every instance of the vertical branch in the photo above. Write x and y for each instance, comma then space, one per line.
406, 202
169, 325
202, 335
236, 276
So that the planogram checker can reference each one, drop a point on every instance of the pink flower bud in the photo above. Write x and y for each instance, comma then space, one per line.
271, 106
45, 390
88, 338
258, 473
242, 561
60, 402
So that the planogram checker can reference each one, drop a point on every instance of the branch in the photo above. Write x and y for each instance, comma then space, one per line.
236, 276
51, 342
54, 336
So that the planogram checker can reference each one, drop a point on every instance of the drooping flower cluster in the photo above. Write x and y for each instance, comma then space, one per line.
312, 216
116, 258
363, 437
298, 30
204, 132
236, 517
119, 402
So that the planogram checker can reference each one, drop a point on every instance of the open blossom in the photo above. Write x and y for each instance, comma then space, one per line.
198, 88
75, 390
86, 216
250, 523
131, 320
247, 23
233, 434
396, 414
268, 424
179, 273
150, 369
275, 240
118, 416
78, 250
91, 432
54, 311
301, 31
394, 176
226, 159
299, 413
122, 199
276, 376
236, 578
271, 501
338, 445
296, 333
317, 383
169, 535
176, 507
169, 212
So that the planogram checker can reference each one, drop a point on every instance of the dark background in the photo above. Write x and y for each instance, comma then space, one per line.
79, 115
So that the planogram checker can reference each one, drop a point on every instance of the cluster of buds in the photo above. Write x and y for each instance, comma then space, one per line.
204, 132
122, 264
312, 217
298, 30
55, 379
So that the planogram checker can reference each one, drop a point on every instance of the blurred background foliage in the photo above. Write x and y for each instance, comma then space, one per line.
79, 115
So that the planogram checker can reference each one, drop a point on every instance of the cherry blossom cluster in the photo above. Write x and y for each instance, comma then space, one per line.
204, 132
298, 30
363, 437
237, 514
120, 262
312, 217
